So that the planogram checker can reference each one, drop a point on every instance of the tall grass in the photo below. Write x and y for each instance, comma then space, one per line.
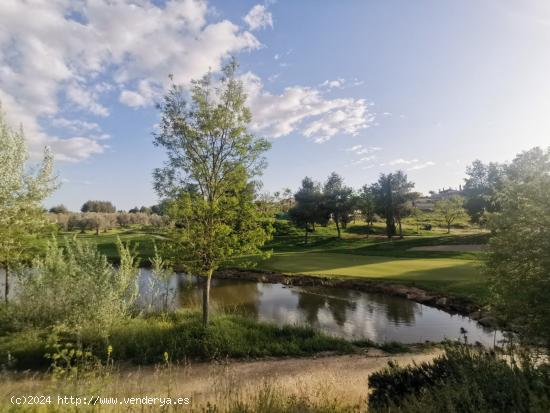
144, 340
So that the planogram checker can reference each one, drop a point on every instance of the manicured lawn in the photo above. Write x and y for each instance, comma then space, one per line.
354, 255
448, 275
106, 241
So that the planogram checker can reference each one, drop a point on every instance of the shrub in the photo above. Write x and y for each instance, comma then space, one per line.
462, 380
76, 286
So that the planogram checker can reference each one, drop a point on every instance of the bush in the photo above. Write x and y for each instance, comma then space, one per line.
426, 227
462, 380
76, 287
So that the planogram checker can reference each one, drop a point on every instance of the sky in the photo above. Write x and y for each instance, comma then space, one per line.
357, 87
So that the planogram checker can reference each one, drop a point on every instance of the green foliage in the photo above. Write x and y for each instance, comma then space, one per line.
144, 340
393, 199
480, 188
339, 200
58, 209
162, 272
518, 262
98, 206
450, 210
310, 207
367, 205
76, 286
209, 176
21, 194
464, 380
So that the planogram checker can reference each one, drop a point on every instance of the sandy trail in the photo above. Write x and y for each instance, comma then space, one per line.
323, 378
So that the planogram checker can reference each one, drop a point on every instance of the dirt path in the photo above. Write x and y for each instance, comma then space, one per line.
323, 378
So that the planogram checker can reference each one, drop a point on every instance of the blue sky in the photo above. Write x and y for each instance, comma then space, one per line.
357, 87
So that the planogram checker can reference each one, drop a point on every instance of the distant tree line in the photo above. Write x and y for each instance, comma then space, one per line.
391, 198
103, 221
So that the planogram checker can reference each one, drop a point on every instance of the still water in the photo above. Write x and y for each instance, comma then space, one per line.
341, 312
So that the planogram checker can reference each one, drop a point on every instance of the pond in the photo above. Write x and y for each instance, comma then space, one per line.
340, 312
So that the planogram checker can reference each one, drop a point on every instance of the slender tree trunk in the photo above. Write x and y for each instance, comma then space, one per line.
400, 229
337, 227
448, 228
206, 299
6, 282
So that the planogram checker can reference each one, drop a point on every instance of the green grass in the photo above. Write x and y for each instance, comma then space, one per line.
106, 241
144, 340
445, 275
355, 255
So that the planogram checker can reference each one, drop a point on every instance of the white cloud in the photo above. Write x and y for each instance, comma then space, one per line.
305, 110
333, 84
81, 50
75, 125
363, 150
364, 159
258, 18
421, 166
412, 164
402, 161
86, 99
146, 92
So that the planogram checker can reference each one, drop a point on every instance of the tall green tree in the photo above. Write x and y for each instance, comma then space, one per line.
209, 175
480, 188
450, 210
393, 200
367, 205
338, 199
309, 207
403, 198
519, 251
22, 191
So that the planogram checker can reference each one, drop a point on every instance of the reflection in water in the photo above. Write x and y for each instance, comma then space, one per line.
344, 313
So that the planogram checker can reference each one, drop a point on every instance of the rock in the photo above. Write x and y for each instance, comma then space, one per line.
441, 301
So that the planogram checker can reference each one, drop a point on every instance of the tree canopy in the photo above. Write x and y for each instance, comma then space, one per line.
518, 262
98, 206
210, 174
22, 191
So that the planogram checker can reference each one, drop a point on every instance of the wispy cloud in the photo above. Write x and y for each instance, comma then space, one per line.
421, 166
363, 150
364, 159
402, 161
333, 84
